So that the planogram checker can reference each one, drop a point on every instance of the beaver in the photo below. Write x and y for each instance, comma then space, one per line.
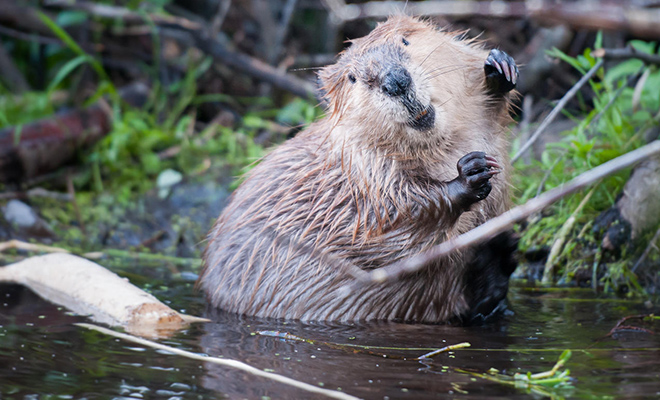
412, 151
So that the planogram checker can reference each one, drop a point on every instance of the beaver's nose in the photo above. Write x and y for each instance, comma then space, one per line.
396, 82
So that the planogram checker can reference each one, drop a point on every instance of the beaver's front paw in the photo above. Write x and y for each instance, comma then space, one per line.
474, 172
501, 72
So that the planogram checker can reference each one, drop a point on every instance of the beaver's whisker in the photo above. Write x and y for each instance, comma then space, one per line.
429, 55
443, 72
441, 68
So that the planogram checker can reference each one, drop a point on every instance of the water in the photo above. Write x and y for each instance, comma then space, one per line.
42, 353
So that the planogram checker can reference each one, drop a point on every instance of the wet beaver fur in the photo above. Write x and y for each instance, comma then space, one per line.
412, 151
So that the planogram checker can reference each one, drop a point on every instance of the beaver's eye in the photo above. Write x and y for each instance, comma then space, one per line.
405, 42
351, 78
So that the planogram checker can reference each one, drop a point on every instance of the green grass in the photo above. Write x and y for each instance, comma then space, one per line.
617, 130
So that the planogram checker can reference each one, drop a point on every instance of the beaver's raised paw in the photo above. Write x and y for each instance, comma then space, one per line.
474, 172
501, 72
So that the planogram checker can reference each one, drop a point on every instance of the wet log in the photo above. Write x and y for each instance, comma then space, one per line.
42, 146
87, 288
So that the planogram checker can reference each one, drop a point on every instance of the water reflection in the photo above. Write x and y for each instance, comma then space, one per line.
41, 352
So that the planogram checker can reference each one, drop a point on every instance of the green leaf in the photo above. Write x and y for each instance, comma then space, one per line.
71, 44
66, 69
640, 45
70, 18
598, 43
556, 53
622, 70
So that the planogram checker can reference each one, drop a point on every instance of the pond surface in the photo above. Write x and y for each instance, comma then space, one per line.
42, 353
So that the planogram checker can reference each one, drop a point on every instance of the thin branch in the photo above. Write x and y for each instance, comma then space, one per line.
205, 42
222, 361
594, 122
28, 37
548, 173
626, 53
444, 350
115, 12
555, 111
19, 245
283, 28
11, 74
36, 192
505, 221
648, 249
219, 18
560, 240
252, 66
71, 190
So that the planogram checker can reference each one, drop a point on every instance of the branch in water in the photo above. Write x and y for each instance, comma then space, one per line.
506, 220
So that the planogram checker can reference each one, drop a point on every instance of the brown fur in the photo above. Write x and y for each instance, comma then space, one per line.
361, 187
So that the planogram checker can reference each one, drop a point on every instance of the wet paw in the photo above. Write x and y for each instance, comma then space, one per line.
474, 171
501, 72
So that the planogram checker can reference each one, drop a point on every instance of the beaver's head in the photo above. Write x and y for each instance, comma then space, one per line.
406, 76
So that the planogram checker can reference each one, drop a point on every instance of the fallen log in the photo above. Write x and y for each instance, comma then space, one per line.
593, 15
42, 146
87, 288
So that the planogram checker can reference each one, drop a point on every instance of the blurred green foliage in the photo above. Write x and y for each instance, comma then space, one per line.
613, 124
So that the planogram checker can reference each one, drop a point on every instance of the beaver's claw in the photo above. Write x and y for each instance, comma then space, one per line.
475, 170
501, 72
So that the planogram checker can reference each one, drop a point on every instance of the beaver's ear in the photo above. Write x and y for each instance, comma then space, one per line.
330, 80
321, 93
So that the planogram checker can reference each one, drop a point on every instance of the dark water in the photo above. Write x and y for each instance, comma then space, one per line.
42, 355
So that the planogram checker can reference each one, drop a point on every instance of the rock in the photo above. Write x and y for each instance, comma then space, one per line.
20, 214
25, 219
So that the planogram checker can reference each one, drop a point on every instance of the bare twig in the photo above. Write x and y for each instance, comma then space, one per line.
252, 66
19, 245
28, 37
223, 9
205, 42
548, 173
524, 128
283, 28
555, 111
626, 53
71, 190
115, 12
222, 361
506, 220
11, 75
444, 350
36, 192
594, 122
558, 245
648, 249
621, 327
18, 14
534, 56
